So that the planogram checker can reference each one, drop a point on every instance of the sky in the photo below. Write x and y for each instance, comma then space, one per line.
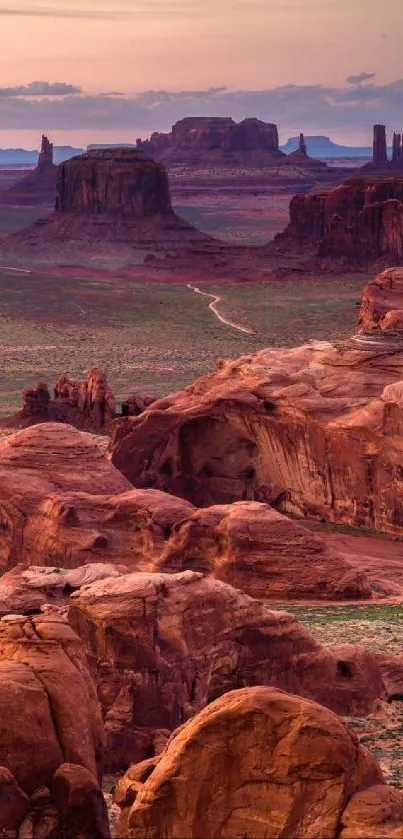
113, 70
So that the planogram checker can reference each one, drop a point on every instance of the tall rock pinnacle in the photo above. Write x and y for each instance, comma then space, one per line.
380, 154
46, 153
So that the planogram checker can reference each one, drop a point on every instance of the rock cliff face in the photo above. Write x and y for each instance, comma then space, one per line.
51, 732
261, 763
314, 430
122, 181
355, 224
195, 639
110, 204
216, 138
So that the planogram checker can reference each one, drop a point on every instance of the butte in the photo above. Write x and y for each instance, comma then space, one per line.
111, 204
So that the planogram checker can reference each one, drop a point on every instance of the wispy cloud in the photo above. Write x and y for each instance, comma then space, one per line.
360, 78
40, 89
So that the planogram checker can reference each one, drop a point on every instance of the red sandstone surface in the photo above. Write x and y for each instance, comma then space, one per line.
273, 765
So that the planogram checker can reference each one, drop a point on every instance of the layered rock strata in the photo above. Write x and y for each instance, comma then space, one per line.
261, 763
355, 225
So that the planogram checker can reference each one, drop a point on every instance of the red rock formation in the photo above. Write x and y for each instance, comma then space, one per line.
261, 552
301, 158
39, 185
312, 430
216, 140
92, 400
51, 732
45, 154
63, 504
195, 639
397, 148
110, 203
355, 224
380, 154
259, 763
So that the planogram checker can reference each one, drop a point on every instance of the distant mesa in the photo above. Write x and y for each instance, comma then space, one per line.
222, 141
112, 201
39, 185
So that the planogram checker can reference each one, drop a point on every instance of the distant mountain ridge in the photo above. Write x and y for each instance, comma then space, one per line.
29, 157
322, 146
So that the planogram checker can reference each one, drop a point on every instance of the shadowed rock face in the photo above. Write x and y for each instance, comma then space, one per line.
122, 181
355, 224
51, 732
260, 763
313, 430
164, 645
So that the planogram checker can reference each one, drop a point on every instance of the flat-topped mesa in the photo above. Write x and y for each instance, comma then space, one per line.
380, 154
121, 181
216, 139
46, 153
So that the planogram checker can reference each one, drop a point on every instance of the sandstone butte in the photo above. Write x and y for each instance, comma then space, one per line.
162, 646
354, 225
51, 733
261, 764
115, 202
64, 505
314, 430
38, 186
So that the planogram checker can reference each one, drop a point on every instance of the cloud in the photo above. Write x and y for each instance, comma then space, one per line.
309, 108
40, 89
360, 78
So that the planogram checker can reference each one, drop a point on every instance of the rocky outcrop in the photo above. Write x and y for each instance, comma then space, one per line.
380, 154
216, 140
259, 551
46, 153
51, 732
312, 430
63, 504
397, 150
260, 763
355, 225
113, 204
195, 639
92, 400
301, 158
36, 187
382, 303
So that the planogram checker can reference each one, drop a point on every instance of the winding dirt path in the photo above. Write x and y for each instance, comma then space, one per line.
213, 306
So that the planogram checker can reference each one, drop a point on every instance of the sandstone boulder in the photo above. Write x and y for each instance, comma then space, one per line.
49, 714
263, 763
162, 646
256, 549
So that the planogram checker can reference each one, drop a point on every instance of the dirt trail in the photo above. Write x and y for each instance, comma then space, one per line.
213, 306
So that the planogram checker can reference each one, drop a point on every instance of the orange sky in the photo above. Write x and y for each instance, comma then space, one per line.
132, 45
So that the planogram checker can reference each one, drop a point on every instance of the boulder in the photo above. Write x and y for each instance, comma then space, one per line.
162, 646
256, 549
263, 763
